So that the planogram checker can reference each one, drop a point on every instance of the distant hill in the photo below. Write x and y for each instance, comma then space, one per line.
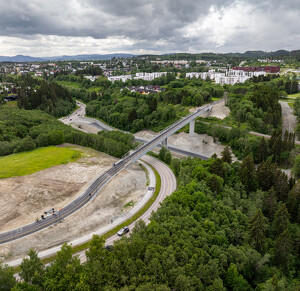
188, 56
21, 58
260, 54
90, 57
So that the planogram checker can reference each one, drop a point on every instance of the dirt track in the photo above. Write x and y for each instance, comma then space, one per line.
289, 120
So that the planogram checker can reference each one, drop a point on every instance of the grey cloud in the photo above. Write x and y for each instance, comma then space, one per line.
154, 25
138, 19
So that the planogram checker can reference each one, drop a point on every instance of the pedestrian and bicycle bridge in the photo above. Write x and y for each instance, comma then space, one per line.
104, 178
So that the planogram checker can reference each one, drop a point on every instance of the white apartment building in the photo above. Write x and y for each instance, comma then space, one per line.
229, 77
91, 78
122, 78
149, 76
140, 75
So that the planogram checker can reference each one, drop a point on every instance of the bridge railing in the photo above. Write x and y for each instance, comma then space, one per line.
166, 132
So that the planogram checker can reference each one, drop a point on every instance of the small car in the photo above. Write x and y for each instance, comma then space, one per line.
109, 248
123, 230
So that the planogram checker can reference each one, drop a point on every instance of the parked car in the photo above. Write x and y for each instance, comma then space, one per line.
123, 230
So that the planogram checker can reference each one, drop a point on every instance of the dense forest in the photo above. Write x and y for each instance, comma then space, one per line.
133, 111
279, 148
23, 130
227, 227
255, 102
39, 94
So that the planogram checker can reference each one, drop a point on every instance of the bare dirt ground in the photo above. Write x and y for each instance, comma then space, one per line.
289, 120
23, 198
199, 143
85, 127
219, 110
146, 134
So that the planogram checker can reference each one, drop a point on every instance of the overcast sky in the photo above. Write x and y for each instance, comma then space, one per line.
58, 27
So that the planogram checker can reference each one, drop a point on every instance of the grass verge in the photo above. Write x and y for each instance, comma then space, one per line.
25, 163
85, 246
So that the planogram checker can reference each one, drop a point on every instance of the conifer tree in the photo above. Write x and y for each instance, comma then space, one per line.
162, 153
257, 230
226, 155
168, 157
293, 203
283, 249
217, 167
262, 150
265, 175
277, 149
281, 221
270, 203
281, 185
247, 174
274, 135
285, 142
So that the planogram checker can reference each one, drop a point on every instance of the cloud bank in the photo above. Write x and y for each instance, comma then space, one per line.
49, 28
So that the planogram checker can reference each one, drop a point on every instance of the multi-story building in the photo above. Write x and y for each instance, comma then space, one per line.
267, 69
229, 77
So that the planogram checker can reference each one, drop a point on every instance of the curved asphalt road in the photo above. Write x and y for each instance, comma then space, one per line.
168, 186
94, 188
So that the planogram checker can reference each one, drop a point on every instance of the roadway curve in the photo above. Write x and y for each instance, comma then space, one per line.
98, 184
168, 186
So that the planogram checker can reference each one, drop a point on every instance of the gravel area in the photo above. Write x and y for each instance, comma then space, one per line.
219, 111
289, 120
24, 198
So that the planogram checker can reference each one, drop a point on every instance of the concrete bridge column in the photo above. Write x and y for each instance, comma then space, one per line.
165, 143
192, 127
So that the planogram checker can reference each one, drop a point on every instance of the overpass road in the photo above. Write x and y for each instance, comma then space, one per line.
168, 185
98, 184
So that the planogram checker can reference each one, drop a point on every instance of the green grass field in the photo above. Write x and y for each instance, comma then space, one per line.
294, 95
25, 163
76, 85
70, 84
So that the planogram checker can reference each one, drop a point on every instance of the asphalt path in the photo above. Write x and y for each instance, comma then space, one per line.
168, 186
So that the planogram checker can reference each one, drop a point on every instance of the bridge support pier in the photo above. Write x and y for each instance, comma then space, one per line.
165, 143
192, 128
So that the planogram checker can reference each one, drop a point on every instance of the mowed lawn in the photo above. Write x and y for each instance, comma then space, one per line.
25, 163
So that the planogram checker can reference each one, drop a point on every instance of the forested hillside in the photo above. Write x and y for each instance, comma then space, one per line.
279, 148
39, 94
227, 227
23, 130
134, 111
255, 102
